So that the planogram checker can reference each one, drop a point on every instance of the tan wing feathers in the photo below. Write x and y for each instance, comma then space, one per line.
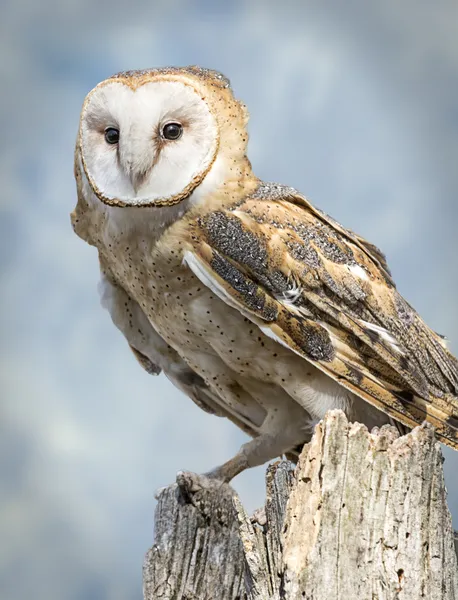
396, 359
371, 250
309, 340
327, 294
374, 252
264, 263
298, 240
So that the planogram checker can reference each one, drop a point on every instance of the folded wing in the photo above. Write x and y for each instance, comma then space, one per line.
327, 295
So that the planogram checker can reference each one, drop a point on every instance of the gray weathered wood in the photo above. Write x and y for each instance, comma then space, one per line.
368, 517
197, 553
363, 516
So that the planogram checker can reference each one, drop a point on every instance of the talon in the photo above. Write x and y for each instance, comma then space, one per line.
192, 482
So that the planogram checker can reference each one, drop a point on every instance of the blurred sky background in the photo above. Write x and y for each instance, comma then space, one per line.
354, 103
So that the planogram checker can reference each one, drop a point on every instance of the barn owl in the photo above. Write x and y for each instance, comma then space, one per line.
257, 305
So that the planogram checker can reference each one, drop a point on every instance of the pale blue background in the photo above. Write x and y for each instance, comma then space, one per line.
355, 103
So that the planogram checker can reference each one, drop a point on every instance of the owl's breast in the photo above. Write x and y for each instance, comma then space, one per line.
170, 295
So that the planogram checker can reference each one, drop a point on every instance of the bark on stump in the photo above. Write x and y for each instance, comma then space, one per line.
363, 516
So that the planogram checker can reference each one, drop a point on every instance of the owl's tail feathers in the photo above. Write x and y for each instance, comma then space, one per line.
441, 411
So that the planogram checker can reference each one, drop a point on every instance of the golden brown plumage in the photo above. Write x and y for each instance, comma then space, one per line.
254, 303
347, 317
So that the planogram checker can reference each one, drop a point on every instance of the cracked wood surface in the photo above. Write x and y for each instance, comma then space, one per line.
197, 554
363, 516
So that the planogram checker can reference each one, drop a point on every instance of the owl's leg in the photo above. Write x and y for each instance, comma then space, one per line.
254, 453
276, 438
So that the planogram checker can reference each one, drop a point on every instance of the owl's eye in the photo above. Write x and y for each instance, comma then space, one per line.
111, 135
172, 131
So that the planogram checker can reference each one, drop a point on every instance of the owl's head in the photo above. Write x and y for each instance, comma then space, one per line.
150, 138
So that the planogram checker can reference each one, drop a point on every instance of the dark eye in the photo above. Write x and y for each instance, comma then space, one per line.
111, 135
172, 131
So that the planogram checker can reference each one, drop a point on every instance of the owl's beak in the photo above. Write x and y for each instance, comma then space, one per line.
137, 179
137, 171
138, 154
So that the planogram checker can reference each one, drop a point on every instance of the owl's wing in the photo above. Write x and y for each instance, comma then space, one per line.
327, 295
370, 249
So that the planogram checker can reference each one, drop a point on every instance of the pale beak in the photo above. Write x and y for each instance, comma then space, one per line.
137, 179
137, 163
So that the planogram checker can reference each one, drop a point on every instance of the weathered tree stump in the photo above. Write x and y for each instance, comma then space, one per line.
363, 516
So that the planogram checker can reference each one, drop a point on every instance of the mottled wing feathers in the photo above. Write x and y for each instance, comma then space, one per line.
374, 252
327, 295
276, 191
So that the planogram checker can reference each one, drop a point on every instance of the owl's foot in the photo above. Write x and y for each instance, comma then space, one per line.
210, 496
190, 483
213, 480
253, 453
